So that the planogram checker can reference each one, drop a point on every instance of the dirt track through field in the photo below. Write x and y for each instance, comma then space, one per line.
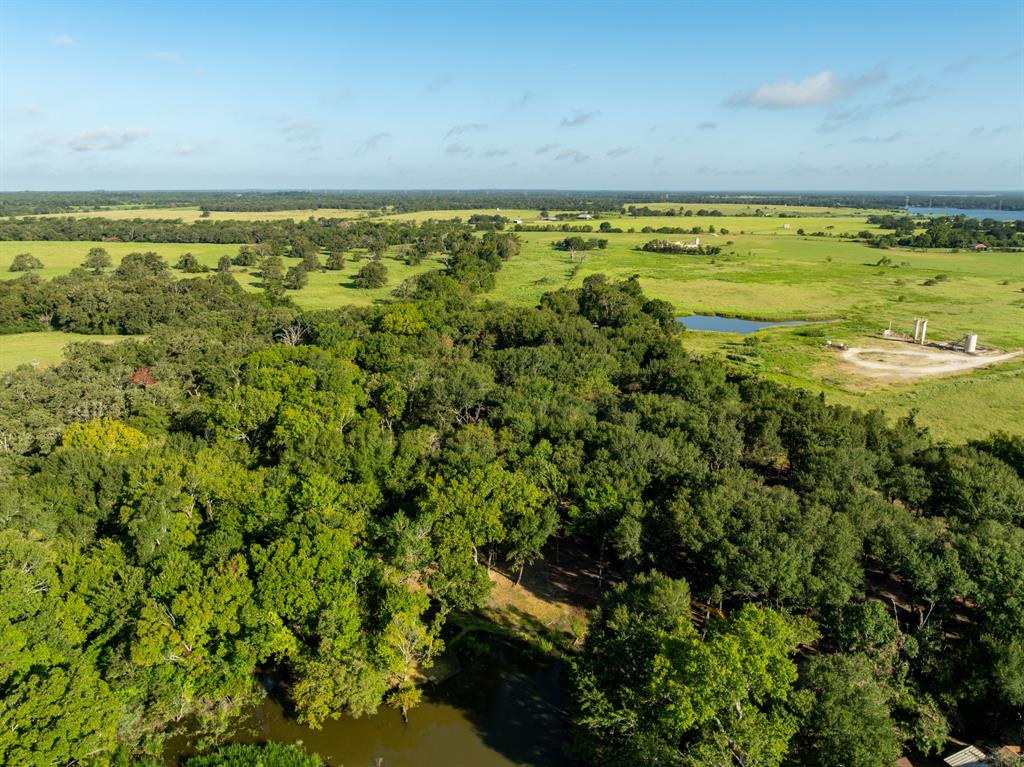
917, 363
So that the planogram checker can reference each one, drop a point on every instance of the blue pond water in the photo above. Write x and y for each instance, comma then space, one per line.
995, 215
729, 324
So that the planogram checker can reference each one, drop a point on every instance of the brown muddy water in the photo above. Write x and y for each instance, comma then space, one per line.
499, 711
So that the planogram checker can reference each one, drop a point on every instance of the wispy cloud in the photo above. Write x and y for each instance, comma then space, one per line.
302, 135
458, 130
574, 155
63, 40
168, 57
546, 148
880, 139
458, 148
372, 142
618, 151
39, 148
899, 95
185, 150
910, 92
577, 118
105, 140
337, 98
438, 83
523, 101
31, 111
982, 130
711, 170
960, 65
495, 151
824, 88
707, 126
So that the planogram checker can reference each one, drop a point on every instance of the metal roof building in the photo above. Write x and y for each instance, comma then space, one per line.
968, 757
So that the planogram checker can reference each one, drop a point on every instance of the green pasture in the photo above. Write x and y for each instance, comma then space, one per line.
44, 348
60, 257
325, 290
764, 272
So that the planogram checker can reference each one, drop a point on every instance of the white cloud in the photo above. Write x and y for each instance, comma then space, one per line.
546, 148
707, 126
823, 88
458, 148
495, 152
618, 151
63, 40
105, 140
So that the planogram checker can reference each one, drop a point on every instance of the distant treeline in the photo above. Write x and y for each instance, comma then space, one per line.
327, 233
665, 246
634, 210
26, 203
946, 232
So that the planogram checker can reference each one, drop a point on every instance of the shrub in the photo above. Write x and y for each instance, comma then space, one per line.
190, 264
372, 275
24, 262
267, 755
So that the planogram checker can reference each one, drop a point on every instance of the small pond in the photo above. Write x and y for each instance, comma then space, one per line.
997, 215
501, 710
730, 324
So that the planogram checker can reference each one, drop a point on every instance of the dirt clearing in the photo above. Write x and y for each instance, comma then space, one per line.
895, 361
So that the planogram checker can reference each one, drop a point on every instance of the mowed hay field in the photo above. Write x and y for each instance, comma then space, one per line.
765, 271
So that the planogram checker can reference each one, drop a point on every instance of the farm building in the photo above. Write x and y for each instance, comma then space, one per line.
967, 757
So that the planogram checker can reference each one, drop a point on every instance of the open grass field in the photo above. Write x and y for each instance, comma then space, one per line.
325, 290
188, 215
43, 348
765, 271
736, 218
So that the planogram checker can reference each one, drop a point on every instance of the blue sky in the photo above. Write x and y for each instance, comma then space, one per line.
822, 95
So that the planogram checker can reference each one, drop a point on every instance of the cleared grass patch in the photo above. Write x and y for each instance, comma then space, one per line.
42, 349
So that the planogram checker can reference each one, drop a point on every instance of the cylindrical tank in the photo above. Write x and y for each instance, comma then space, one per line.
971, 343
924, 330
917, 328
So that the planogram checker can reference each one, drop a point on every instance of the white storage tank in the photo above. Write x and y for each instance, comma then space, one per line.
971, 343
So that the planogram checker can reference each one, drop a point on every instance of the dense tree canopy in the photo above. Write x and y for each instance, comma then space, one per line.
315, 494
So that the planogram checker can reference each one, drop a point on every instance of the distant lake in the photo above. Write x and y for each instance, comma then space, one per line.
997, 215
729, 324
